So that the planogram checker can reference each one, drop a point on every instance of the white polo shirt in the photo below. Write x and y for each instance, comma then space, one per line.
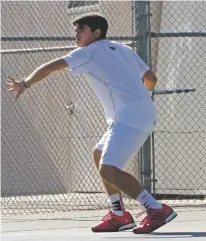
115, 72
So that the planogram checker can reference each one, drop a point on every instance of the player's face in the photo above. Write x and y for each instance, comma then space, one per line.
84, 36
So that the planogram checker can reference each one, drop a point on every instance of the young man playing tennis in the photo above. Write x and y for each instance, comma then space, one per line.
116, 73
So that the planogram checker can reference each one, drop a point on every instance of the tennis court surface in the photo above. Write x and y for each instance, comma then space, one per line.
190, 224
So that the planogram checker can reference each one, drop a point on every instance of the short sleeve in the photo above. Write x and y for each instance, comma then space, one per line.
79, 59
142, 65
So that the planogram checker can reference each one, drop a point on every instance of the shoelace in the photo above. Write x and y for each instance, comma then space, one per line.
140, 214
148, 211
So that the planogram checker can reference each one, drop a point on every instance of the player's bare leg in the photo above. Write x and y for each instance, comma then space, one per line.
158, 214
110, 189
117, 219
121, 179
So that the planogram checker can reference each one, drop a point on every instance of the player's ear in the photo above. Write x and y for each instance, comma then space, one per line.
97, 33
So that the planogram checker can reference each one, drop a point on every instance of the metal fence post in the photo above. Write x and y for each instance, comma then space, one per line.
141, 27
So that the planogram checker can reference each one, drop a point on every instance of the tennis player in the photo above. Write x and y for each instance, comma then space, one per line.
116, 74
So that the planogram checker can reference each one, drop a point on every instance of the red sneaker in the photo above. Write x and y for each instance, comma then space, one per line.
155, 219
113, 223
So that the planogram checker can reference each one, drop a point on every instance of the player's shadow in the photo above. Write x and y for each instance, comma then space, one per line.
191, 234
169, 235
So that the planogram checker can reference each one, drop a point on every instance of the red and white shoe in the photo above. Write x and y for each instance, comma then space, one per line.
113, 223
155, 219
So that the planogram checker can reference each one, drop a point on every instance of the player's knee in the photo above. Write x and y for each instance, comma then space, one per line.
107, 172
97, 156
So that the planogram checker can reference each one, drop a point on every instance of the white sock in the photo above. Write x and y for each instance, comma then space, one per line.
147, 200
117, 204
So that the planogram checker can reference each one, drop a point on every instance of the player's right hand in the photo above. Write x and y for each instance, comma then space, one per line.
16, 86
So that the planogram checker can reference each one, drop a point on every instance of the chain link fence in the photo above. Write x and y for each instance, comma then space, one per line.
179, 31
47, 145
49, 134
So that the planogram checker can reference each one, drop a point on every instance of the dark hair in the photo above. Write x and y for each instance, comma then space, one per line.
94, 21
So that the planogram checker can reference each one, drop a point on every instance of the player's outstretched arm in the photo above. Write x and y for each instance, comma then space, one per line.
150, 80
39, 74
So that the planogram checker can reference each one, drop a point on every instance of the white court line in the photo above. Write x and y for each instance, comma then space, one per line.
40, 234
100, 234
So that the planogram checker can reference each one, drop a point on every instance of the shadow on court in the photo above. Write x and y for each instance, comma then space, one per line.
163, 235
191, 234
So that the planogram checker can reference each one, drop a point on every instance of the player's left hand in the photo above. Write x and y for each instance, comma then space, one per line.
15, 85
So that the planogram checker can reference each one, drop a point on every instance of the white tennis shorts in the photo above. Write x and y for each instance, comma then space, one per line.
120, 143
